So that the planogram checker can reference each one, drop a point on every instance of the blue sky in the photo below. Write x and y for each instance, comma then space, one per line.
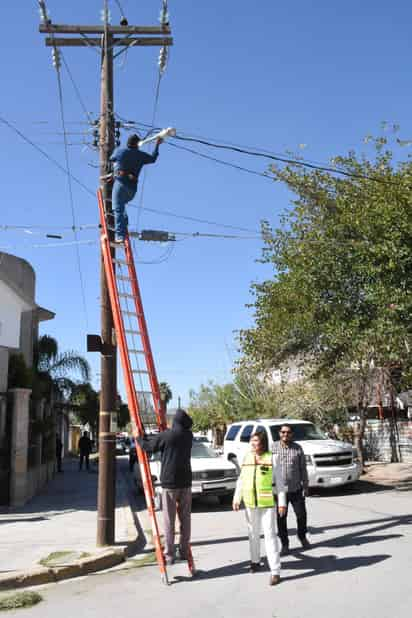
268, 74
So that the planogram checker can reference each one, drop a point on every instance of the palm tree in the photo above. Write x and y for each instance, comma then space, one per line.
53, 368
165, 393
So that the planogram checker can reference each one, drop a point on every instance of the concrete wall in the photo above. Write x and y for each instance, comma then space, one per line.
388, 441
19, 445
20, 273
11, 308
38, 477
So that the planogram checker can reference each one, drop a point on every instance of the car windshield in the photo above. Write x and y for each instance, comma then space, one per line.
201, 450
301, 431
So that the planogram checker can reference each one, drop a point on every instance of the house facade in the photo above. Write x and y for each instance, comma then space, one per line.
20, 316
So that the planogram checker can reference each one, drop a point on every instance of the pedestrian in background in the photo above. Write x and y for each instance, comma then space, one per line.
295, 478
85, 448
59, 450
175, 446
256, 488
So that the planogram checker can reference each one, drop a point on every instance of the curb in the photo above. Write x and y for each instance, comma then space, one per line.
48, 575
105, 559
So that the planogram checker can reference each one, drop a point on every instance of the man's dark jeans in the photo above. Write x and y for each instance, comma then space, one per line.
297, 500
84, 457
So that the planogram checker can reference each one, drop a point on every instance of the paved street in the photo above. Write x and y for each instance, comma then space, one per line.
359, 565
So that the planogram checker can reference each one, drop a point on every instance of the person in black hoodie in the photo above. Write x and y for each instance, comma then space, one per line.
175, 445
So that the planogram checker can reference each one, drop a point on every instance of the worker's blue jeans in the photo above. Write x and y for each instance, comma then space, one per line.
122, 194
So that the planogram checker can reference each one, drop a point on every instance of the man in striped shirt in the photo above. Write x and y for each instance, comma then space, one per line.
295, 477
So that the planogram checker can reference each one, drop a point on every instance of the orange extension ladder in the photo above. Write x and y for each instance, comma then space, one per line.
142, 387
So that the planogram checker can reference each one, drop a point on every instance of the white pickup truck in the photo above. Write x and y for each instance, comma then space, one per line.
330, 463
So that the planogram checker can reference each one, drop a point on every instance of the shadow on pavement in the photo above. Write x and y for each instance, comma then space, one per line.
23, 519
329, 564
358, 537
393, 521
228, 570
361, 537
229, 539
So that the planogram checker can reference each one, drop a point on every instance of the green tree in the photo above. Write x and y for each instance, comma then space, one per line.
166, 394
85, 403
214, 406
54, 370
340, 294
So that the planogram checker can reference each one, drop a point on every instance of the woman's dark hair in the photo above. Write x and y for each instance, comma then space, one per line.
263, 438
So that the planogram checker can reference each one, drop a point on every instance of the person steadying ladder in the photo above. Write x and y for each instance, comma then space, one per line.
127, 164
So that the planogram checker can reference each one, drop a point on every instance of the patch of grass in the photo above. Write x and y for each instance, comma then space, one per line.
147, 559
60, 556
18, 600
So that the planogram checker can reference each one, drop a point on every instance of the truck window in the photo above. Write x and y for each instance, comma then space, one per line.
246, 433
232, 433
261, 428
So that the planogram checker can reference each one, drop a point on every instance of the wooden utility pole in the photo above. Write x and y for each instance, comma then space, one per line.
107, 41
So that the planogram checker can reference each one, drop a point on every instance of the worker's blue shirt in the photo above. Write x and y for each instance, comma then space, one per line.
131, 160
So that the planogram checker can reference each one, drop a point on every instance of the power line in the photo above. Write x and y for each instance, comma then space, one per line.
196, 220
46, 155
57, 66
298, 162
222, 236
92, 193
77, 90
257, 152
221, 162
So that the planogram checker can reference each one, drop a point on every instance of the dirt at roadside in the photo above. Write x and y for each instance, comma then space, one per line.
398, 475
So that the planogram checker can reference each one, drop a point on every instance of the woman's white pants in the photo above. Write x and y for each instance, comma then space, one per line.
256, 520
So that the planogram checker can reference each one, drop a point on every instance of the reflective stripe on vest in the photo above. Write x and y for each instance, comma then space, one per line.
259, 494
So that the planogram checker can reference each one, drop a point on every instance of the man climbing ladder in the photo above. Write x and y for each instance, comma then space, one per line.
127, 164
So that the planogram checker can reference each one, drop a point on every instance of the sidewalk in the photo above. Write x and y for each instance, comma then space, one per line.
63, 518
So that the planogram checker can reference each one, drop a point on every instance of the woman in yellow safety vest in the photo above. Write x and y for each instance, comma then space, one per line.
260, 478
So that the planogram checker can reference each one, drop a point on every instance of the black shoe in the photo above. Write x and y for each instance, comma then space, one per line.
274, 580
305, 543
285, 550
254, 567
183, 556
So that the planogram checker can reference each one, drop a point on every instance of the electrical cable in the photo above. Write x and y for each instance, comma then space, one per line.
302, 163
122, 13
46, 155
155, 105
57, 65
162, 63
76, 89
264, 154
92, 193
194, 219
221, 162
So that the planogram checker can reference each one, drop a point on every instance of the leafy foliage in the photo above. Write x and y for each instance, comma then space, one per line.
340, 295
85, 402
165, 392
19, 375
53, 368
341, 286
